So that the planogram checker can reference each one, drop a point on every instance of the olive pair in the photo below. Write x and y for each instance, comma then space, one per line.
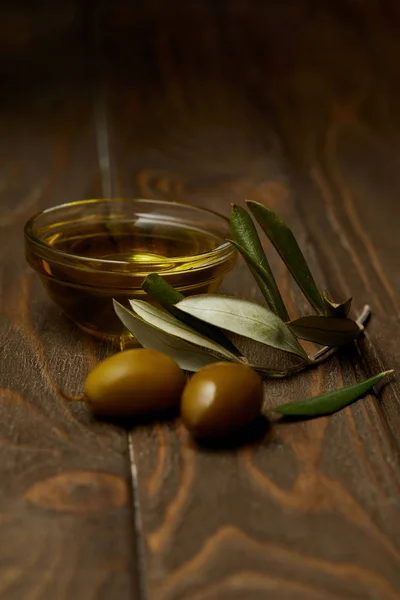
218, 400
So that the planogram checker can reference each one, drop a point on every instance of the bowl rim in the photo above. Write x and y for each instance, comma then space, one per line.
222, 251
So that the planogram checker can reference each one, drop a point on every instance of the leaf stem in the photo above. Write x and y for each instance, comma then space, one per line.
63, 394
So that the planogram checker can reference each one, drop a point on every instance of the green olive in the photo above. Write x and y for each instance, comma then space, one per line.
134, 382
221, 399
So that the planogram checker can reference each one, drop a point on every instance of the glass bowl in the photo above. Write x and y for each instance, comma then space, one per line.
91, 251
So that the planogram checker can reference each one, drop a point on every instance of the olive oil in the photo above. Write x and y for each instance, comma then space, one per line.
117, 257
134, 242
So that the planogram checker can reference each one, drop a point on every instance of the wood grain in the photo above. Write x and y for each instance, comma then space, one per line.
291, 104
66, 525
280, 105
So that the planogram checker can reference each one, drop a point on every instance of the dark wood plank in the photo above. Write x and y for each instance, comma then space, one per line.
227, 103
345, 158
66, 520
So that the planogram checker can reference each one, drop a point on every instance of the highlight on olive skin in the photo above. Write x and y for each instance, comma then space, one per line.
134, 382
221, 399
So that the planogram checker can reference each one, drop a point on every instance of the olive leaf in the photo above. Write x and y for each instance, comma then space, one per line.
326, 404
328, 331
172, 326
188, 356
287, 247
244, 318
247, 242
167, 296
337, 310
261, 276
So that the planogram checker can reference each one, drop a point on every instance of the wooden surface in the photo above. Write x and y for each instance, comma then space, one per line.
295, 105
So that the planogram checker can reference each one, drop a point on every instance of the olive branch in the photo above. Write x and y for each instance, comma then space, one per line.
192, 330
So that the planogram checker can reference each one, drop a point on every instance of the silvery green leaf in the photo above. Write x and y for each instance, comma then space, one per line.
173, 326
187, 356
167, 296
287, 247
244, 318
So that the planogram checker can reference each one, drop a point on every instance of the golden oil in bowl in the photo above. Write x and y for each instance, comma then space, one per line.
92, 251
